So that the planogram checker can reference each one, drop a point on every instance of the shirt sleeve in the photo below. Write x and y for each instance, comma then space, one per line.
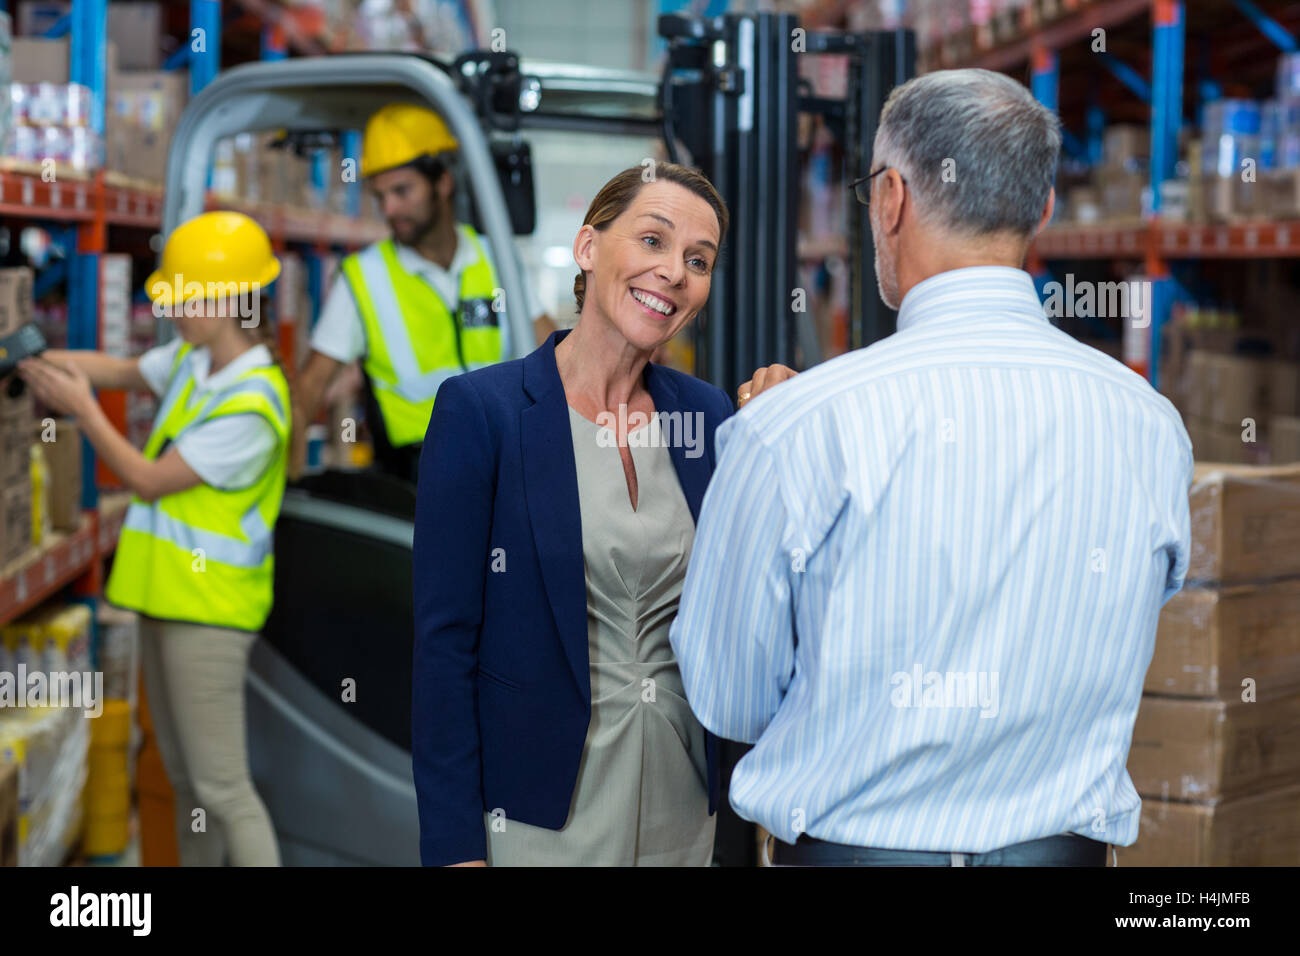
230, 452
734, 632
1181, 522
338, 332
156, 365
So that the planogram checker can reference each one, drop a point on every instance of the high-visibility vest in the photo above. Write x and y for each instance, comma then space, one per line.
414, 341
204, 555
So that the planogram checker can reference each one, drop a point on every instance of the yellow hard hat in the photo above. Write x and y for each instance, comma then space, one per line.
210, 251
401, 132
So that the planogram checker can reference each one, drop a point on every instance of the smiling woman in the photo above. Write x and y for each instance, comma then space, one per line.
550, 725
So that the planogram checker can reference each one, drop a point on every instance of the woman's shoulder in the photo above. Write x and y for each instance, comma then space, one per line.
496, 389
695, 394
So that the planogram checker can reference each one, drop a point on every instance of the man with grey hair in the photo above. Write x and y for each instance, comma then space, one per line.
926, 576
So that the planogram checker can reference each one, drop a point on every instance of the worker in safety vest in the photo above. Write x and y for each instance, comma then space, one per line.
416, 308
195, 557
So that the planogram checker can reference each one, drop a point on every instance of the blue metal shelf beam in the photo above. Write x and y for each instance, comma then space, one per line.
205, 24
1127, 75
1275, 32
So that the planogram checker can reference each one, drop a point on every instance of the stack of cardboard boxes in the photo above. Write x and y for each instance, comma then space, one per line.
1216, 746
17, 413
1119, 180
1237, 408
262, 167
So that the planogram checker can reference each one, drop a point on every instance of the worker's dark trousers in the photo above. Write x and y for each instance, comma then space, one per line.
401, 462
1068, 849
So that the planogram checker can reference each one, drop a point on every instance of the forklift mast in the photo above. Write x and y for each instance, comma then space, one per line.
732, 95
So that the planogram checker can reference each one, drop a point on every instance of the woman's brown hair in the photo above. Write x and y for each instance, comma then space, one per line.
618, 194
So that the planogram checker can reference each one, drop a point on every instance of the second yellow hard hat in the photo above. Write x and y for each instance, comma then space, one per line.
401, 132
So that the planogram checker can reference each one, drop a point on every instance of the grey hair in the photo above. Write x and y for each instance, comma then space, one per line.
977, 150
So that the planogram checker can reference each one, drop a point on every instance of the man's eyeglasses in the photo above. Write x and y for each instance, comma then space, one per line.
862, 187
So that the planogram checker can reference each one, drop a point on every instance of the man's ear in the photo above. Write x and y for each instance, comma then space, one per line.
893, 195
584, 248
446, 185
1047, 210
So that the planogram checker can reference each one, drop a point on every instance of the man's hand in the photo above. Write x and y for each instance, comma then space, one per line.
470, 863
763, 379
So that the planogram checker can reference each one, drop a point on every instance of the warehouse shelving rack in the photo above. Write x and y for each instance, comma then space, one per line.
1164, 248
84, 206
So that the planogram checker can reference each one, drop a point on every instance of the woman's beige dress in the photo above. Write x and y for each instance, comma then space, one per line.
641, 798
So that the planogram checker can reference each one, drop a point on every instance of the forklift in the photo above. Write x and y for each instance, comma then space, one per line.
334, 768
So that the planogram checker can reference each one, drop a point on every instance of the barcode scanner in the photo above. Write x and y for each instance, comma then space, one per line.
15, 347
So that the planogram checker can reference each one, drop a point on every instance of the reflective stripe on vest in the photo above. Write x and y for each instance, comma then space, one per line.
414, 343
204, 554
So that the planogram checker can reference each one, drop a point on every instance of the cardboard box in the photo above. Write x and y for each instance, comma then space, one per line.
15, 298
1284, 438
1203, 750
153, 98
36, 60
137, 152
1284, 387
1211, 639
1119, 192
1124, 143
15, 521
63, 457
1259, 830
1281, 193
1227, 389
35, 17
1212, 442
1233, 199
1245, 523
136, 28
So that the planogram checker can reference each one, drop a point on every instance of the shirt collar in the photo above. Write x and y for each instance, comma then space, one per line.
973, 290
256, 357
464, 256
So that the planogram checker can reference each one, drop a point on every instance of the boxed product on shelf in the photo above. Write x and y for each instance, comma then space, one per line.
1262, 829
115, 303
1125, 143
1084, 204
1284, 387
119, 651
35, 17
1231, 444
1230, 159
15, 298
48, 746
16, 515
37, 60
63, 458
136, 29
1245, 523
16, 417
65, 630
1209, 640
1284, 438
144, 107
1120, 191
1228, 389
1204, 750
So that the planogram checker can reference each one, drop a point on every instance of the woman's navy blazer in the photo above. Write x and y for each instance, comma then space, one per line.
501, 694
